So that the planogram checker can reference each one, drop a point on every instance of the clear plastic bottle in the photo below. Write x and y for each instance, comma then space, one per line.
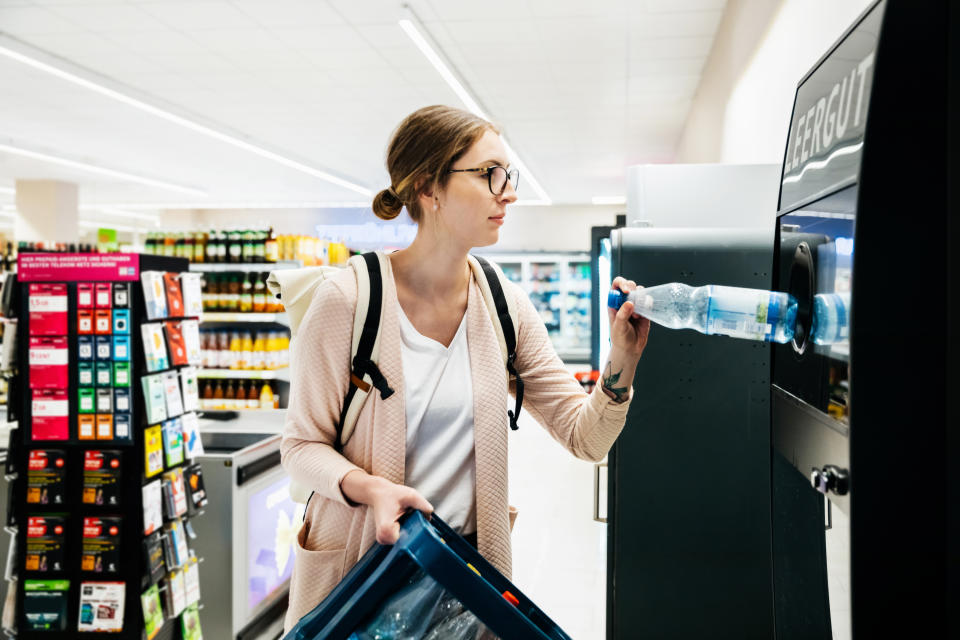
753, 314
831, 318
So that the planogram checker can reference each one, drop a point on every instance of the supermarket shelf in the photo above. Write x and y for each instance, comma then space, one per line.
227, 316
245, 266
246, 374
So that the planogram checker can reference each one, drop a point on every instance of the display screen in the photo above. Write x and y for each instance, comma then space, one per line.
273, 520
604, 278
830, 118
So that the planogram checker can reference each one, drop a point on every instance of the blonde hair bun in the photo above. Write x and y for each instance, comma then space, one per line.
386, 205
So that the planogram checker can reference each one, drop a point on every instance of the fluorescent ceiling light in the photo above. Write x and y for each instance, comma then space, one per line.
153, 206
608, 200
169, 116
86, 166
415, 30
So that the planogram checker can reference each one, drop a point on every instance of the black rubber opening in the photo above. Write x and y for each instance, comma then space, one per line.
802, 288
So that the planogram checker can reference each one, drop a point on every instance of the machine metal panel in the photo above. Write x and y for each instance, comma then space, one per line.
689, 477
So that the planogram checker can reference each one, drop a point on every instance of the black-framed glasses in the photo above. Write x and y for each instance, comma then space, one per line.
497, 177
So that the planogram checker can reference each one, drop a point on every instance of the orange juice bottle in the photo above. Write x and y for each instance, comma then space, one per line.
258, 361
270, 361
266, 396
246, 351
236, 347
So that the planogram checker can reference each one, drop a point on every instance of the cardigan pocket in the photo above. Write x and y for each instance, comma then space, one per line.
315, 574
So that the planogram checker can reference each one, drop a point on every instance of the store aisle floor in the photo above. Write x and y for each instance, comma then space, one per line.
559, 552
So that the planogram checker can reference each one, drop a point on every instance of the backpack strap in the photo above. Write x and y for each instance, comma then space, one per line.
503, 313
365, 352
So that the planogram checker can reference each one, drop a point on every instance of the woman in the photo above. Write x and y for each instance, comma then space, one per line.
440, 441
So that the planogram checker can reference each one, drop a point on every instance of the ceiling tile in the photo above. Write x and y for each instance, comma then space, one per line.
385, 35
25, 21
368, 11
324, 38
671, 48
683, 5
233, 40
162, 42
675, 25
195, 15
576, 9
109, 17
290, 13
500, 10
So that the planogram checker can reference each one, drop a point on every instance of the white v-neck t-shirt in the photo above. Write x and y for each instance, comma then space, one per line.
438, 391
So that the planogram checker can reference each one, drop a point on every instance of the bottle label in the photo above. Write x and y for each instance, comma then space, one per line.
740, 313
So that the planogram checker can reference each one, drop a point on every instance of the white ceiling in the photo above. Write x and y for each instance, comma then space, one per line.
581, 89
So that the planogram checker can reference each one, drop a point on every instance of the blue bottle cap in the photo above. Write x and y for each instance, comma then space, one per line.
615, 299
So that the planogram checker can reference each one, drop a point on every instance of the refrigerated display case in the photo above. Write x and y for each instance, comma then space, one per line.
863, 428
559, 286
601, 275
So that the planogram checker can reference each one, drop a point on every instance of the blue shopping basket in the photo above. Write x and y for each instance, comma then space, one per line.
432, 547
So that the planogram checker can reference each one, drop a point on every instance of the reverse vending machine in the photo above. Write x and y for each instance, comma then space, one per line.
863, 471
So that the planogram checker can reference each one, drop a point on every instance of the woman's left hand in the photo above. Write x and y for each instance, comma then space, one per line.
628, 332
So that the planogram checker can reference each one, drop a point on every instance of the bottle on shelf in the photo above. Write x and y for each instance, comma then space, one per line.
752, 314
271, 247
247, 241
259, 292
234, 247
224, 354
253, 396
233, 293
267, 396
218, 401
199, 247
236, 346
210, 292
246, 293
230, 396
206, 395
246, 352
258, 359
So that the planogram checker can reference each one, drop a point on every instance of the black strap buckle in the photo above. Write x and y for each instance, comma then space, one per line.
367, 366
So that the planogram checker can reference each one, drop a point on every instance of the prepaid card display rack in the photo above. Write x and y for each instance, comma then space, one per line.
104, 486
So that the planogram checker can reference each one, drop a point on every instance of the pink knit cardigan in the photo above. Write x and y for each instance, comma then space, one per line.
335, 535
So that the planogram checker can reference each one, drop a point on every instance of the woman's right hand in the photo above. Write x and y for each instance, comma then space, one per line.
388, 501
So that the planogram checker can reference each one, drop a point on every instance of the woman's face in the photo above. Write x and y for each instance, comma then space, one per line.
467, 209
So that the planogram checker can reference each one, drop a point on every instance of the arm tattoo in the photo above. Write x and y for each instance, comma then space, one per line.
609, 382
